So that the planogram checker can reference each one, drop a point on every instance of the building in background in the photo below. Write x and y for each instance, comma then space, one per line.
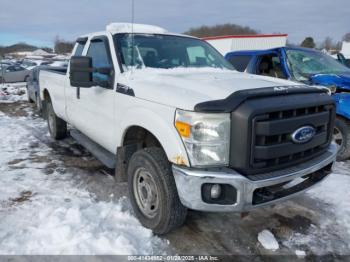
229, 43
345, 50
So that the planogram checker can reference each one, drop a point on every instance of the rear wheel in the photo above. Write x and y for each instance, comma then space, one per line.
153, 192
57, 126
341, 136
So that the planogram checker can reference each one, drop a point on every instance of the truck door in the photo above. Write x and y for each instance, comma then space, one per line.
92, 109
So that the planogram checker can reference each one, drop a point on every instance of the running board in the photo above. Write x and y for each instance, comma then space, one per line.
106, 157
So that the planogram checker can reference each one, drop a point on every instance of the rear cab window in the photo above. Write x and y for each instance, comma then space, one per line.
80, 45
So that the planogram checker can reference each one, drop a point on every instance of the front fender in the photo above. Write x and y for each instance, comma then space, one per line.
158, 120
343, 104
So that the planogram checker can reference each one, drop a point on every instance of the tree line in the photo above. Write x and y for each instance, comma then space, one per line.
328, 43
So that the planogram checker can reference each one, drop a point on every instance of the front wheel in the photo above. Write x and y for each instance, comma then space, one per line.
57, 126
153, 192
341, 136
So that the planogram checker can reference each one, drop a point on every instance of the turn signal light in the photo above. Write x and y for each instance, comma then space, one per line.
184, 129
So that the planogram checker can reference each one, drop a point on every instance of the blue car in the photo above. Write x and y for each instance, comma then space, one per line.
307, 66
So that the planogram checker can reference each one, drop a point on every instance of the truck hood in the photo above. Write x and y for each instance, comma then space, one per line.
184, 88
341, 81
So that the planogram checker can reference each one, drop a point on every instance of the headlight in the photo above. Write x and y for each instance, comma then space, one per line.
206, 137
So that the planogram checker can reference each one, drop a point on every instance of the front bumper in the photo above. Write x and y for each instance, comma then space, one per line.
189, 183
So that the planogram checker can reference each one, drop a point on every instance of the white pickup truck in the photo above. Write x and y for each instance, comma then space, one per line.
183, 128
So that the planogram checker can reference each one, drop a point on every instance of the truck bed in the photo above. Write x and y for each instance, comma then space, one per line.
54, 80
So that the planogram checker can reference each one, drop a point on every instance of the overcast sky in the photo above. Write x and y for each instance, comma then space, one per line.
39, 21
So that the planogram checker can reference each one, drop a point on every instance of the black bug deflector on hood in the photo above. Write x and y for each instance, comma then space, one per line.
230, 103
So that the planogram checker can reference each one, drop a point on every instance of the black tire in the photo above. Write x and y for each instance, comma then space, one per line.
26, 79
341, 136
57, 126
169, 212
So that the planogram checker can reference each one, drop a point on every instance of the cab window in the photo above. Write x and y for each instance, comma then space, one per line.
100, 59
79, 50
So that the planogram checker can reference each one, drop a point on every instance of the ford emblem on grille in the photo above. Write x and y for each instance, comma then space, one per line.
303, 134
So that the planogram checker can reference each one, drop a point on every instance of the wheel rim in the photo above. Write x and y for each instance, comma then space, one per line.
146, 193
338, 137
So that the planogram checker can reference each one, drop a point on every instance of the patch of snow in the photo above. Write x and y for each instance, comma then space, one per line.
10, 93
335, 191
300, 253
116, 28
268, 240
49, 214
333, 196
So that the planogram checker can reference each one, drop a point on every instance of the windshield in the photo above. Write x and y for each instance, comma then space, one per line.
166, 51
304, 64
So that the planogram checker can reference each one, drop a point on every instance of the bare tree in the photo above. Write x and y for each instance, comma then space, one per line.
61, 46
327, 44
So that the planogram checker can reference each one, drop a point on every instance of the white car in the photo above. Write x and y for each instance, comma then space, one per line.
184, 128
13, 73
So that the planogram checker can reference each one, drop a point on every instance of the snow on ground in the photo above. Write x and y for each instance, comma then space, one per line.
44, 213
268, 240
12, 92
336, 192
333, 196
300, 253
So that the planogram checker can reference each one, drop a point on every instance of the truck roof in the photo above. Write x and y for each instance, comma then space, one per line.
120, 28
264, 51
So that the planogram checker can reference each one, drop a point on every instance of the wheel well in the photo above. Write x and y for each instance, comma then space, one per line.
343, 118
141, 136
135, 138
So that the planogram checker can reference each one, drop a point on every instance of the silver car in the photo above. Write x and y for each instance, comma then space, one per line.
13, 73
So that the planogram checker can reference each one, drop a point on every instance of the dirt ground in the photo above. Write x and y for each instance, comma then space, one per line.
298, 224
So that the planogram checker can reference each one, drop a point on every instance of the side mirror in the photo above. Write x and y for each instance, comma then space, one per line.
81, 71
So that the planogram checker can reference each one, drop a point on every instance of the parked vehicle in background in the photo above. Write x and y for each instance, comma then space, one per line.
183, 128
13, 73
59, 63
33, 87
30, 64
341, 58
5, 64
307, 66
